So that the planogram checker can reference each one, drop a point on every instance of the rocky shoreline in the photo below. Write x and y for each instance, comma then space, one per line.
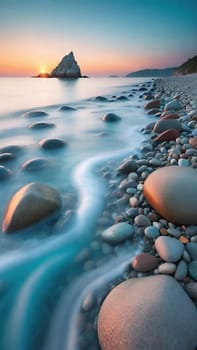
156, 200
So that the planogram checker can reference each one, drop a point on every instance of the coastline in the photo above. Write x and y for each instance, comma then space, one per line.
149, 225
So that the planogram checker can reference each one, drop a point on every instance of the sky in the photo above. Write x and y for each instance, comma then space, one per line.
106, 36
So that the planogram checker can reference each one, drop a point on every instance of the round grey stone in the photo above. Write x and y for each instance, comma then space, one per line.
193, 269
192, 250
151, 232
174, 232
118, 233
142, 221
169, 249
167, 268
181, 271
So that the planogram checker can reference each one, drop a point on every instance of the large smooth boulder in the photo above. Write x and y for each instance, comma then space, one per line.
146, 314
166, 124
31, 204
172, 192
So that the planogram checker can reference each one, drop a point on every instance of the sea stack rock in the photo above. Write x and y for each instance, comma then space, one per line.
67, 68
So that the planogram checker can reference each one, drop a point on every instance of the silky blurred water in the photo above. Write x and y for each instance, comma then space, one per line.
35, 263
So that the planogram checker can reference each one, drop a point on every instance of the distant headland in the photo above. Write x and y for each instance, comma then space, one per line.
188, 67
67, 68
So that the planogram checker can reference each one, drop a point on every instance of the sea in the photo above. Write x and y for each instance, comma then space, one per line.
49, 270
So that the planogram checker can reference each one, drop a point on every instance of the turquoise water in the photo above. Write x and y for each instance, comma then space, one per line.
40, 266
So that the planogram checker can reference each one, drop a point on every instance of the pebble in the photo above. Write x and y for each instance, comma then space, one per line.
4, 173
192, 250
35, 114
118, 233
89, 302
173, 105
132, 212
183, 162
144, 262
131, 191
191, 230
111, 117
191, 289
128, 166
193, 269
174, 232
169, 249
186, 256
151, 232
181, 271
167, 268
134, 202
142, 221
183, 239
52, 143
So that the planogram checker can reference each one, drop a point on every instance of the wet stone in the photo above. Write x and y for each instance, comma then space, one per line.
181, 271
36, 164
144, 262
118, 233
191, 289
66, 108
35, 114
192, 250
111, 117
193, 269
167, 268
151, 232
142, 221
52, 143
5, 173
41, 125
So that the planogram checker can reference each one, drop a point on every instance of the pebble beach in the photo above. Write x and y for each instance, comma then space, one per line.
153, 303
115, 268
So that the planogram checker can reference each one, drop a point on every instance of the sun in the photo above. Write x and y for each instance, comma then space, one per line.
43, 71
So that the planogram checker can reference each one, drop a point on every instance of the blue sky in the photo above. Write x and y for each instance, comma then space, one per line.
107, 36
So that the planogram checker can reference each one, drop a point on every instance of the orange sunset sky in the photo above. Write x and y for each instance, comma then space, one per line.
107, 37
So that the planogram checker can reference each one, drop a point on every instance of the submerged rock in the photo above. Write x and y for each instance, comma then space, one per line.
67, 108
111, 117
31, 204
52, 143
41, 125
141, 314
35, 114
14, 149
5, 173
36, 164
